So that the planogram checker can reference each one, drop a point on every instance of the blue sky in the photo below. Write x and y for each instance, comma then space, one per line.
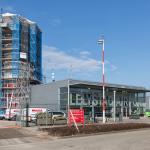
71, 29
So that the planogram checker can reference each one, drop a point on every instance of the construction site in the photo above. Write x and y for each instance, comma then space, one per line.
73, 75
20, 60
22, 89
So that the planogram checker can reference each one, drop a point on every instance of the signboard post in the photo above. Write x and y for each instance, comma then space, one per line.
76, 116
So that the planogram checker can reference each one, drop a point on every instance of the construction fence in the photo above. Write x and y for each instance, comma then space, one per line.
50, 114
40, 115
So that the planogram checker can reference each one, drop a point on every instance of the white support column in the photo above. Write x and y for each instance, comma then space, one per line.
68, 100
101, 41
7, 101
114, 106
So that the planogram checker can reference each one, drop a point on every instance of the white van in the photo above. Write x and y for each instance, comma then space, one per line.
10, 113
32, 112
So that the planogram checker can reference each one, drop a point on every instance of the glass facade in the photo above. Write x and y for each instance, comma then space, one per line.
126, 101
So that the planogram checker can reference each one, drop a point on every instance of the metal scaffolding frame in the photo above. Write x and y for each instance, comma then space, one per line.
20, 60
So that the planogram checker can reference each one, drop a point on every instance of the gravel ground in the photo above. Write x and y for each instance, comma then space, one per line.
9, 133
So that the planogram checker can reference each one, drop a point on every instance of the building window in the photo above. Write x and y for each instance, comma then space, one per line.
79, 99
86, 98
73, 97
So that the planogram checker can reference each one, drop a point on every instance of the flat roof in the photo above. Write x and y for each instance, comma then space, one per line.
96, 85
109, 85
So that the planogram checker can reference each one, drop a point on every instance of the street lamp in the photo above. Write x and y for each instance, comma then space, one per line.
68, 100
101, 41
114, 106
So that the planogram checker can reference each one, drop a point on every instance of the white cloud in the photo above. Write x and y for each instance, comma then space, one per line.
52, 57
60, 60
85, 53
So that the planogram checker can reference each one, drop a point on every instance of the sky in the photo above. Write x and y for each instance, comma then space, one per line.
71, 29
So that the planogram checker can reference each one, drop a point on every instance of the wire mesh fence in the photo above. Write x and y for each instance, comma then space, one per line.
54, 114
40, 115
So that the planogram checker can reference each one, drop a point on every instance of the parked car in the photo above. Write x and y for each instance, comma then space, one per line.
13, 118
32, 112
11, 113
58, 115
2, 116
134, 116
54, 115
51, 118
147, 112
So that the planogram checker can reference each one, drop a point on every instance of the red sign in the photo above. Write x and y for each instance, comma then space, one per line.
76, 116
36, 110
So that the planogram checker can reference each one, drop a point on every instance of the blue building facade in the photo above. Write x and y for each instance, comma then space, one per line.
20, 57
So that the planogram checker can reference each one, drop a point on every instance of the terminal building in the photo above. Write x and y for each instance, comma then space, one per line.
20, 59
88, 95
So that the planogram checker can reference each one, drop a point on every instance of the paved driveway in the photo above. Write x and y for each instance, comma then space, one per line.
134, 140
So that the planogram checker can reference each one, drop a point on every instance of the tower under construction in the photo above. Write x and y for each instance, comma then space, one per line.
20, 59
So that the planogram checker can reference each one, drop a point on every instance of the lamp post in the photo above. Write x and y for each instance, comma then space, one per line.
68, 99
114, 106
101, 41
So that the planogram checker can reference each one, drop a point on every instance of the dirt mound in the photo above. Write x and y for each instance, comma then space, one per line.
90, 129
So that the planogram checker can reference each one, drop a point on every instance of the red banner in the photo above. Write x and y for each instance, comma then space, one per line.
104, 104
76, 116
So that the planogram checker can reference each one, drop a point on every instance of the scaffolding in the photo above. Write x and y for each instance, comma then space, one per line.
16, 90
20, 60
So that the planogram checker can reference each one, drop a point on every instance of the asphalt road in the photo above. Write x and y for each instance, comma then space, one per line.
134, 140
